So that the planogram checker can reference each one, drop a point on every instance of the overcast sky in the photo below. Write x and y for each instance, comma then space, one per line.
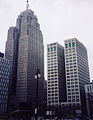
59, 20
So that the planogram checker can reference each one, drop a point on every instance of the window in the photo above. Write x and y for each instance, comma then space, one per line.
69, 44
66, 45
90, 88
54, 48
48, 49
51, 48
77, 100
73, 44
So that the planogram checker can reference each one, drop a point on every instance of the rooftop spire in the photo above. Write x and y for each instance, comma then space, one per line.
27, 5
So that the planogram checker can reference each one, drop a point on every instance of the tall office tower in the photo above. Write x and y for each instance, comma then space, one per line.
77, 71
29, 54
11, 53
56, 85
4, 83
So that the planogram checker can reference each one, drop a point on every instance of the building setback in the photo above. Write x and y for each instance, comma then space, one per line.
77, 72
4, 83
56, 85
25, 50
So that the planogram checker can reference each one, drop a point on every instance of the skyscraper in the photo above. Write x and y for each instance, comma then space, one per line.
77, 71
4, 83
25, 42
56, 85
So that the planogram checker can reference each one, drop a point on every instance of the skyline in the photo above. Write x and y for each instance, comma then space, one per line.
66, 19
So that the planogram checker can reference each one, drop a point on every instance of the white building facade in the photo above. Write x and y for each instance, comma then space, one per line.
56, 74
77, 71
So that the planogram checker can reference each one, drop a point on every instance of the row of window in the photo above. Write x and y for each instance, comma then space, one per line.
69, 51
52, 49
55, 75
3, 92
71, 73
4, 62
68, 67
73, 63
70, 58
70, 55
72, 79
4, 72
52, 98
3, 107
4, 68
50, 67
71, 89
4, 85
70, 45
56, 101
71, 76
52, 95
52, 53
52, 85
68, 83
53, 63
90, 88
73, 100
52, 88
52, 73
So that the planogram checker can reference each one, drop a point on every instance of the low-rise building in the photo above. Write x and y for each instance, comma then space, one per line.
89, 99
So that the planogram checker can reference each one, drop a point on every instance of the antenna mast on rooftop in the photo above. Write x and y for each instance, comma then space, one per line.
27, 5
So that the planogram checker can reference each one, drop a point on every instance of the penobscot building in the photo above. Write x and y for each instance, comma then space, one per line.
56, 84
77, 72
25, 50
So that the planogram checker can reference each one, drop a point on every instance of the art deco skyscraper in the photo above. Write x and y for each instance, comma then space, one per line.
29, 53
30, 57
